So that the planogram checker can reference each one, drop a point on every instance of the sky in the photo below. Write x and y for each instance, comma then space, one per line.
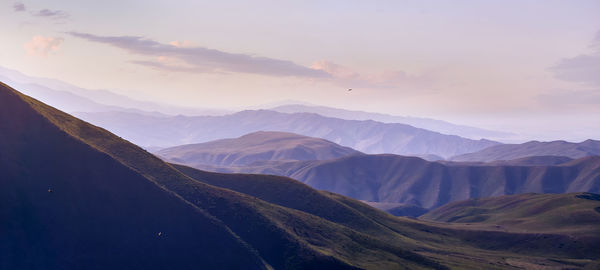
528, 67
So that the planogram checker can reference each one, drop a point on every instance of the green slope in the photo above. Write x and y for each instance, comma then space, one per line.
455, 246
573, 213
65, 205
119, 193
284, 238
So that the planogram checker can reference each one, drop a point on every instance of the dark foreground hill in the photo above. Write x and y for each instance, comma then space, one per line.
414, 181
365, 136
573, 213
533, 148
255, 147
77, 197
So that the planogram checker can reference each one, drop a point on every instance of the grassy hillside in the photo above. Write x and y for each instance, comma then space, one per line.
65, 205
296, 240
112, 195
573, 213
431, 240
255, 147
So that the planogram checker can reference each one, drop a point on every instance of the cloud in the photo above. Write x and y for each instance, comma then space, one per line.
42, 46
198, 59
18, 7
386, 79
182, 44
54, 14
584, 68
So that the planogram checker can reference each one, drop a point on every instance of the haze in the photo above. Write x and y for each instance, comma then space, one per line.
527, 67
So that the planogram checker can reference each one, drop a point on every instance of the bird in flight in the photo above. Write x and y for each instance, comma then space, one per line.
350, 89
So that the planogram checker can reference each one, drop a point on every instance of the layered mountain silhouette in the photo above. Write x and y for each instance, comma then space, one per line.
414, 181
70, 98
256, 147
533, 148
425, 123
365, 136
74, 196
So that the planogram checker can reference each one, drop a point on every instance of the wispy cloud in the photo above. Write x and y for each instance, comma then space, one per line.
198, 59
53, 14
584, 68
184, 56
42, 46
18, 7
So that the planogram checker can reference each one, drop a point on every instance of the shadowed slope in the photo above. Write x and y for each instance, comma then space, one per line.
284, 238
433, 240
410, 180
253, 147
65, 205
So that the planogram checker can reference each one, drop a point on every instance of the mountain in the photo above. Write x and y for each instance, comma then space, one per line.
365, 136
533, 148
74, 196
255, 147
61, 99
573, 213
414, 181
293, 194
424, 123
66, 205
70, 98
399, 209
534, 161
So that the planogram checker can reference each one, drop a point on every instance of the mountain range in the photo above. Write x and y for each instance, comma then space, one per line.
70, 98
397, 184
417, 182
75, 196
419, 122
365, 136
532, 148
256, 147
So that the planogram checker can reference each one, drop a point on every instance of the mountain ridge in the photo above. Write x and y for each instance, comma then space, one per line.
365, 136
49, 153
419, 122
588, 147
256, 147
414, 181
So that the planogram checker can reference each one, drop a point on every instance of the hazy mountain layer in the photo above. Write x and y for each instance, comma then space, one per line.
256, 147
425, 123
533, 148
364, 136
70, 98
